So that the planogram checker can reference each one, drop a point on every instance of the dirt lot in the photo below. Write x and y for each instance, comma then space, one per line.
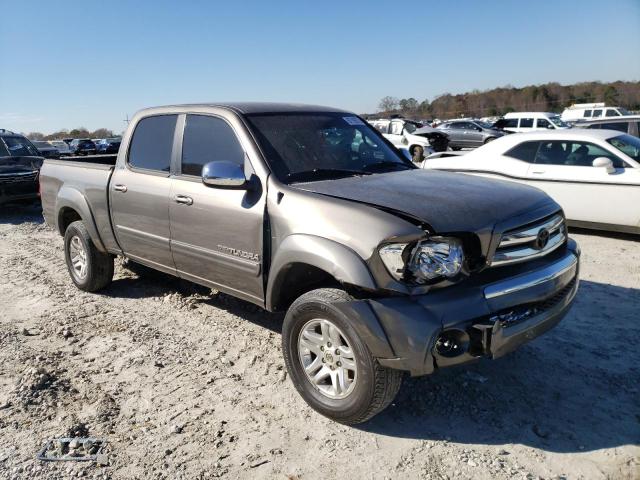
188, 384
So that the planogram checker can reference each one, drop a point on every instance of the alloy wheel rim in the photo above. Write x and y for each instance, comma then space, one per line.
78, 256
327, 358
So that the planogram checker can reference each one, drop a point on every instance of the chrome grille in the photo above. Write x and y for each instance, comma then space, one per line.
531, 241
17, 177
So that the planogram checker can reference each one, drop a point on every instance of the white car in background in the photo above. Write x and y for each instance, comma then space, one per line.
62, 147
593, 174
402, 134
590, 111
522, 122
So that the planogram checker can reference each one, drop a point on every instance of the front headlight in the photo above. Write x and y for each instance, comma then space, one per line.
430, 259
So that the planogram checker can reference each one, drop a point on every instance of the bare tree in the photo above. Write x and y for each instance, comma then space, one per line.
388, 104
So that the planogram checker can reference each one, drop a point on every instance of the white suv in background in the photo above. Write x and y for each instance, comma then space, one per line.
530, 121
589, 111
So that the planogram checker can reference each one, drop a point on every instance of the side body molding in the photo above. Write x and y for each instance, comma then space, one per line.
336, 259
71, 198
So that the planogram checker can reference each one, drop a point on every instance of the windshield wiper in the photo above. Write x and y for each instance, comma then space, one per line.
381, 166
322, 174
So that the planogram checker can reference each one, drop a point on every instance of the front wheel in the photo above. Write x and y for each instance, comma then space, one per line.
90, 269
330, 365
489, 139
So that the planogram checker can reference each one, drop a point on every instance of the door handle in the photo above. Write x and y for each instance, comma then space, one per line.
539, 172
120, 188
184, 200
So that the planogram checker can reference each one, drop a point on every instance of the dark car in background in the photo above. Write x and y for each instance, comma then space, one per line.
20, 163
46, 149
468, 133
82, 146
626, 124
108, 145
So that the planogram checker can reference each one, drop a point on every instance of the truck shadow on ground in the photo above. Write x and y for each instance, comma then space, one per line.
573, 389
17, 213
604, 233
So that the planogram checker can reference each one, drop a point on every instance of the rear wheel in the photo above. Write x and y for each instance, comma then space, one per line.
90, 269
330, 365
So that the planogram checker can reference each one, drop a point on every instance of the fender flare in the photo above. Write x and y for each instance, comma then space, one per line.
334, 258
69, 197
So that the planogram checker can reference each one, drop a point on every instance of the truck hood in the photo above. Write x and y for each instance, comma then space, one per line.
448, 202
19, 164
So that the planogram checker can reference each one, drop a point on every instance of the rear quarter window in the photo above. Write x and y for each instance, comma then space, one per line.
152, 143
525, 151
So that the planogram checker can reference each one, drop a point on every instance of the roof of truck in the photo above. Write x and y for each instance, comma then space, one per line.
256, 107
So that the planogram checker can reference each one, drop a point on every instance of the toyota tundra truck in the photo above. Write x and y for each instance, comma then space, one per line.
382, 268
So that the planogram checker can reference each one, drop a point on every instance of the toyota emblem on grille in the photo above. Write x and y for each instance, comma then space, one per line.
542, 239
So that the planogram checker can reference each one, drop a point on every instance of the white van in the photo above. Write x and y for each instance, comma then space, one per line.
530, 121
589, 111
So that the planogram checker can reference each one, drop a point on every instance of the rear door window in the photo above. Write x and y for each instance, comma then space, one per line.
152, 143
597, 113
526, 123
525, 151
208, 139
587, 113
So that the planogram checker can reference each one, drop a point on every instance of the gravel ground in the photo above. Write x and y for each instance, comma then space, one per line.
186, 383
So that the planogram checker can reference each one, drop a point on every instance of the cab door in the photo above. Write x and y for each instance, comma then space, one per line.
396, 134
139, 193
216, 233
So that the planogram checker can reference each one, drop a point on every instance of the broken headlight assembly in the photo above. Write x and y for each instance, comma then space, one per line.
428, 260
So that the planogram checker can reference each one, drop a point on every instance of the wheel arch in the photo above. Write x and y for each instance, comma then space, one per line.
72, 206
305, 262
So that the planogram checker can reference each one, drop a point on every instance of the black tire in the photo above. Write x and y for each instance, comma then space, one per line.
490, 139
375, 386
417, 154
99, 265
455, 149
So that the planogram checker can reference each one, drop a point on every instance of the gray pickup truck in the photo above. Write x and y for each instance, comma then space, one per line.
381, 268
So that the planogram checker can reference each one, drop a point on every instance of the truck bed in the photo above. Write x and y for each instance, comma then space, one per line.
84, 187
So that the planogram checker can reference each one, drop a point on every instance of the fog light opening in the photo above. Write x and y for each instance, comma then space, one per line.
452, 343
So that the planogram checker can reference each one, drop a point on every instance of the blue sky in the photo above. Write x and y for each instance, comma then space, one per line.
87, 63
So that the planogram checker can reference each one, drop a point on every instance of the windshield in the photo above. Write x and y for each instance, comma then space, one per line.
557, 121
628, 145
315, 146
20, 147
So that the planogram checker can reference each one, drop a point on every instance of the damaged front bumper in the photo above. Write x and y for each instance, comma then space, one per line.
487, 318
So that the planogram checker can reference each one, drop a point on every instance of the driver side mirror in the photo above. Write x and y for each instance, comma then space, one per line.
223, 174
604, 162
478, 129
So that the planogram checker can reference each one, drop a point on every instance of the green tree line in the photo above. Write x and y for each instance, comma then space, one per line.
80, 132
549, 97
